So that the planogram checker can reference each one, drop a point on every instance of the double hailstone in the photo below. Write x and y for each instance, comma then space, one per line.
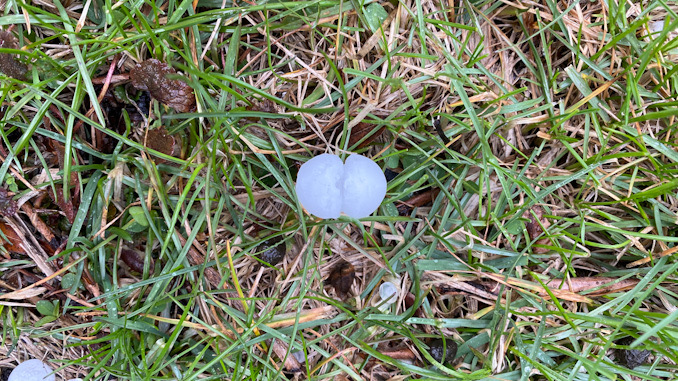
326, 186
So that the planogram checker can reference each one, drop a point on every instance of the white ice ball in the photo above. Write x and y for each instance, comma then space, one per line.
326, 186
319, 185
364, 186
31, 370
388, 292
656, 26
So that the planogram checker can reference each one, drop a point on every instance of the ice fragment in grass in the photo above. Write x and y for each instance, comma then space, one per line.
388, 292
326, 186
300, 356
31, 370
656, 26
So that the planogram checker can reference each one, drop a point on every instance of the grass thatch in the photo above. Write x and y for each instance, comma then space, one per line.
531, 214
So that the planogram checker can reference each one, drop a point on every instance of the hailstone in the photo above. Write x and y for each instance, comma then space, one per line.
326, 187
319, 185
388, 292
31, 370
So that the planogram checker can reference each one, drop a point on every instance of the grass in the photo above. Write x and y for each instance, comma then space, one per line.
531, 214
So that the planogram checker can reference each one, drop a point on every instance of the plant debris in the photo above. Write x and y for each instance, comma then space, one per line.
272, 250
66, 206
281, 350
133, 260
399, 352
8, 207
631, 358
439, 349
152, 75
265, 105
366, 131
4, 374
160, 140
420, 199
607, 285
535, 228
342, 277
13, 240
8, 62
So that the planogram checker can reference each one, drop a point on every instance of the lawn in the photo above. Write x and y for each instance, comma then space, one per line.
151, 228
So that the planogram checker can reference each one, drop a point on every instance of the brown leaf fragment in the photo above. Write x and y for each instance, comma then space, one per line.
39, 224
420, 199
362, 130
66, 206
133, 260
409, 302
524, 286
272, 250
160, 140
468, 288
152, 76
342, 277
59, 151
8, 62
587, 283
69, 206
291, 363
289, 319
643, 261
24, 293
114, 80
534, 227
399, 352
13, 241
8, 207
267, 106
631, 358
439, 350
196, 259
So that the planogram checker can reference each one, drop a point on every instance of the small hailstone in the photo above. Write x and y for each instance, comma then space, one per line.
656, 26
32, 370
300, 356
326, 186
388, 292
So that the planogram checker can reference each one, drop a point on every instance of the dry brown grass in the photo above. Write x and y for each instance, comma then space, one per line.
517, 111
